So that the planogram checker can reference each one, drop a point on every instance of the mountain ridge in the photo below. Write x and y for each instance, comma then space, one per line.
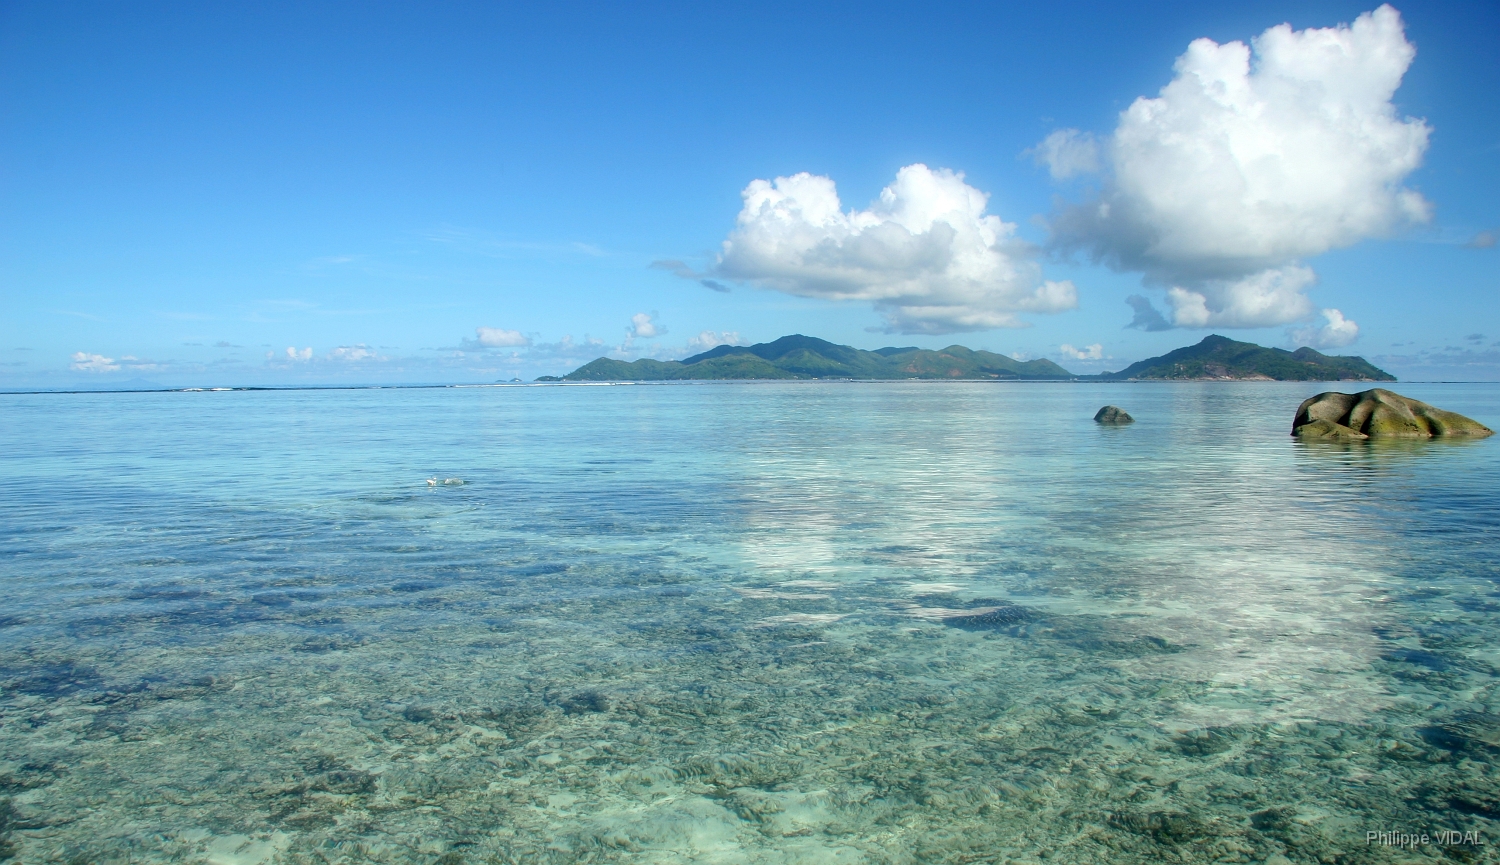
1219, 358
1215, 358
805, 357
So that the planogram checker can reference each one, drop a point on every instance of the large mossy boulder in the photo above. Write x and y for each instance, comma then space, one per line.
1378, 413
1113, 415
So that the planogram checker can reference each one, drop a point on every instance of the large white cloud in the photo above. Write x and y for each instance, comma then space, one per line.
926, 254
1252, 159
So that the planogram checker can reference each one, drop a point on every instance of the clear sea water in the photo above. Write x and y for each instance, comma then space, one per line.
743, 623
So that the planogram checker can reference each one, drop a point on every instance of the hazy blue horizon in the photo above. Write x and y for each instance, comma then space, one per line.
115, 383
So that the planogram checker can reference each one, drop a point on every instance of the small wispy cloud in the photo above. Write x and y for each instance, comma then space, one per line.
86, 362
339, 355
1066, 153
1482, 240
682, 271
644, 326
494, 337
1478, 360
353, 353
143, 364
567, 349
481, 242
1088, 352
713, 339
1336, 332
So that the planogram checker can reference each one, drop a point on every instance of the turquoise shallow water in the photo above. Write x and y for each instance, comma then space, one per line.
800, 622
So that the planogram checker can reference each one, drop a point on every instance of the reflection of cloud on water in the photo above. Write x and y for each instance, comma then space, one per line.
934, 588
1256, 567
891, 498
1270, 597
767, 594
825, 585
800, 619
1272, 642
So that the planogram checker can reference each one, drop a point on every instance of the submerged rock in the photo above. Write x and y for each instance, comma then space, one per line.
1112, 414
1378, 413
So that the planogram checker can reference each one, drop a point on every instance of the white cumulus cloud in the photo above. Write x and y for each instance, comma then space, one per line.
85, 362
709, 339
1335, 332
1262, 299
644, 326
1088, 352
926, 254
293, 354
1252, 159
1067, 152
499, 337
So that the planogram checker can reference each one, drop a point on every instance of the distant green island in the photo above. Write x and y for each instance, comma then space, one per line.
1219, 358
1216, 358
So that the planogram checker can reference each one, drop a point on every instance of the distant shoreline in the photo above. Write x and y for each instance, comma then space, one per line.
691, 382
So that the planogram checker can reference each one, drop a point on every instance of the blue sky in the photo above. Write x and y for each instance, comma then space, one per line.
218, 194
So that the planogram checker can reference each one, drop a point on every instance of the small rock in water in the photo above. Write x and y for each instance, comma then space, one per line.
1378, 413
1113, 414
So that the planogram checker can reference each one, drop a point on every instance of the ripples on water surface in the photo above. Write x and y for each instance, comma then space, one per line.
741, 623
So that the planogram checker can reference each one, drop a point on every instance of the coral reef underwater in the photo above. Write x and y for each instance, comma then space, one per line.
911, 650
